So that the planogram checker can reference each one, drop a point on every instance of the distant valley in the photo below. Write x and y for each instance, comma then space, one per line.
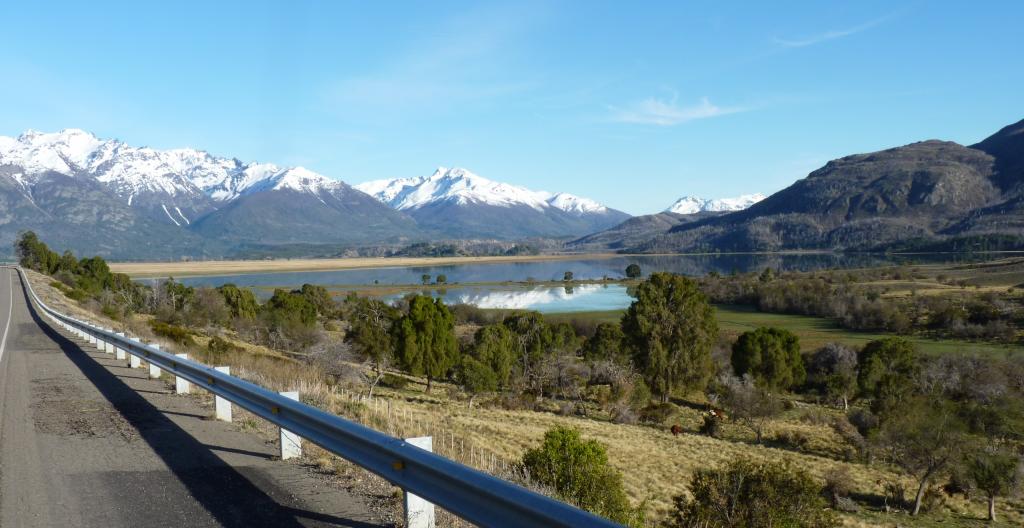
93, 195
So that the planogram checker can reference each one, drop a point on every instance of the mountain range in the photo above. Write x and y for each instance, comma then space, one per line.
459, 204
927, 195
104, 196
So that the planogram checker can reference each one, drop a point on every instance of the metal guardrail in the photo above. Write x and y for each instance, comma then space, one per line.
475, 496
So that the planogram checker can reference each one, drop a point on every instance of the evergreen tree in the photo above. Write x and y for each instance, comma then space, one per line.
606, 343
241, 301
476, 377
426, 339
495, 346
670, 329
771, 356
887, 373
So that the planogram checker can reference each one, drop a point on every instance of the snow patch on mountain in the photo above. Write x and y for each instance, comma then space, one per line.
461, 186
575, 204
693, 204
182, 215
168, 213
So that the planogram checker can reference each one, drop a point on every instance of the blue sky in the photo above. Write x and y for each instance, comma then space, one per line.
630, 103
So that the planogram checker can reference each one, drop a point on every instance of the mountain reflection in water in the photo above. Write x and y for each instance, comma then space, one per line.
578, 298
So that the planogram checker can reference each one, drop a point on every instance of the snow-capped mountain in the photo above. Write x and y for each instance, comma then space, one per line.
128, 200
463, 187
693, 204
461, 203
132, 172
105, 196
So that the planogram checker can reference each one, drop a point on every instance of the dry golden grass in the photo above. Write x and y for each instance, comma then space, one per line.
655, 465
229, 267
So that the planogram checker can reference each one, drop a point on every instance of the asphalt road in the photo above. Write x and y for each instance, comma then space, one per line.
86, 441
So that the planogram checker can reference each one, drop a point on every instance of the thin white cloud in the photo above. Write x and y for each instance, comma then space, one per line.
654, 111
461, 62
833, 34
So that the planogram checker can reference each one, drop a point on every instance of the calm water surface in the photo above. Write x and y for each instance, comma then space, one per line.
546, 298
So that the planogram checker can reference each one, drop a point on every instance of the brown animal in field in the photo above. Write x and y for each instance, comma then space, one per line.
676, 430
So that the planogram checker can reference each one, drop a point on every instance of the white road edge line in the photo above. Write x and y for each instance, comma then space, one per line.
10, 311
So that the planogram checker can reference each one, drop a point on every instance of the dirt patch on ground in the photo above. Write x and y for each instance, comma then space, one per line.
58, 408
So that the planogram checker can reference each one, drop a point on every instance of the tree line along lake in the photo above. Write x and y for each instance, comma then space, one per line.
540, 285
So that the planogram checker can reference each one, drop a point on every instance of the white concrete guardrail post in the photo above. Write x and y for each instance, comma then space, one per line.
181, 385
119, 353
419, 513
222, 406
154, 371
134, 361
109, 347
291, 443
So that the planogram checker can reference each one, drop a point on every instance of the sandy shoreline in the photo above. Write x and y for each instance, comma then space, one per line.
232, 267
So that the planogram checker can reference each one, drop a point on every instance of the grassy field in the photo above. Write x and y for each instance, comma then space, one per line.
812, 331
657, 465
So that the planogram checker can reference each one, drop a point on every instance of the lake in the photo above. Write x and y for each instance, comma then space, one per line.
585, 297
544, 299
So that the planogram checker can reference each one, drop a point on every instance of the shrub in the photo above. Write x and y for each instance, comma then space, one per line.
795, 440
864, 420
219, 346
176, 334
657, 413
394, 382
241, 302
749, 404
771, 356
623, 414
579, 472
832, 372
895, 495
751, 494
77, 294
712, 424
640, 396
111, 311
837, 485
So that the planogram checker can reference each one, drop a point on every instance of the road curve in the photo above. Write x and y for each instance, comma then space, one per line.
86, 441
